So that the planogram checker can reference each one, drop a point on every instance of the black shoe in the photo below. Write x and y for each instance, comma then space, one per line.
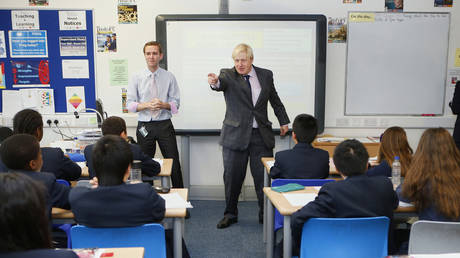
187, 215
226, 221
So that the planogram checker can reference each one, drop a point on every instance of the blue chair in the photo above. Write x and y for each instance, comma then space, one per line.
279, 221
345, 237
150, 236
64, 227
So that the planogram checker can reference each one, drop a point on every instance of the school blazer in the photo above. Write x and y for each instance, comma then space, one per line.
40, 253
54, 161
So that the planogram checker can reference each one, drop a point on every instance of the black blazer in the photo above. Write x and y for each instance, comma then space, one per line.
356, 196
54, 161
125, 205
237, 125
40, 253
301, 162
149, 166
382, 169
455, 106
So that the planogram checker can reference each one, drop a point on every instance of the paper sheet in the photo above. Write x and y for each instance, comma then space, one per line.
270, 163
174, 200
405, 204
159, 161
11, 103
330, 139
75, 69
299, 199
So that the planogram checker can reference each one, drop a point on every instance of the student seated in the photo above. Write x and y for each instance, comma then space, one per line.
115, 125
356, 196
24, 226
432, 182
29, 121
21, 153
393, 143
303, 161
5, 132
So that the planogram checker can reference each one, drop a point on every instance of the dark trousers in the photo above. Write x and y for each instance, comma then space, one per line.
163, 132
235, 164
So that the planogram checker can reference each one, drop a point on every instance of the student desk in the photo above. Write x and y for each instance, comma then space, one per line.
61, 216
329, 146
125, 252
286, 209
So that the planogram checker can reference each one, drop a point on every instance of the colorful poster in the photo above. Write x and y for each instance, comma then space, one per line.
73, 46
38, 2
28, 43
30, 73
2, 76
337, 30
394, 5
352, 1
106, 39
41, 100
24, 20
453, 77
127, 14
118, 72
75, 98
72, 20
443, 3
2, 44
75, 69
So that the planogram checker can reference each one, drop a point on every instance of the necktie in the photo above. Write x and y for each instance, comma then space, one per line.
246, 77
155, 94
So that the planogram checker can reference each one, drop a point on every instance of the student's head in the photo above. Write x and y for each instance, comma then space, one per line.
243, 57
350, 158
21, 152
5, 132
394, 143
23, 215
30, 122
433, 179
112, 157
114, 125
304, 128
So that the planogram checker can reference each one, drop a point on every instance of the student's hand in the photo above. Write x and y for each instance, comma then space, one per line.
94, 182
284, 129
212, 78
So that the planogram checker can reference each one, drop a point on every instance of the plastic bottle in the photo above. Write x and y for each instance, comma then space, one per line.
396, 172
123, 100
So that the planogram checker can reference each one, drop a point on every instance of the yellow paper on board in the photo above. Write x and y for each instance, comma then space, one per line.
457, 57
361, 17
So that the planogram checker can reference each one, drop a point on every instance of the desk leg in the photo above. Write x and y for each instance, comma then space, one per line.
165, 181
266, 184
287, 238
177, 228
270, 230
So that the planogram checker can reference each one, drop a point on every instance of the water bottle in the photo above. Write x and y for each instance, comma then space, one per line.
135, 175
396, 172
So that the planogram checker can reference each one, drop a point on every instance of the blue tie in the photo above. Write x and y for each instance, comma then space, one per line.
246, 77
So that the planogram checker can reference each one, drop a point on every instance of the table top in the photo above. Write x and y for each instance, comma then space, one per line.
285, 208
121, 252
58, 213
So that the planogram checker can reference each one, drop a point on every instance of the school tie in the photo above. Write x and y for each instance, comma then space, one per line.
155, 94
246, 77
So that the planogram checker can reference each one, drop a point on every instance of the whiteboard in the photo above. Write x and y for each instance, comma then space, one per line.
396, 63
197, 47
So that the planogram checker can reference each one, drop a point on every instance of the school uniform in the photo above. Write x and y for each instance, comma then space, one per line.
54, 161
40, 253
382, 169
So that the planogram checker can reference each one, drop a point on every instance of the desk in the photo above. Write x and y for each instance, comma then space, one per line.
125, 252
372, 147
286, 209
61, 216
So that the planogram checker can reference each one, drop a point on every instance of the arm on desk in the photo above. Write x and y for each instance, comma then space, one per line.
149, 166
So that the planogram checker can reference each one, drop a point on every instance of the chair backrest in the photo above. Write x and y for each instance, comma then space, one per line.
63, 182
434, 237
345, 237
149, 236
279, 221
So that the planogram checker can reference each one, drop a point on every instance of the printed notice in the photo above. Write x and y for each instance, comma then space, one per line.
24, 20
118, 72
72, 20
28, 43
2, 44
75, 98
30, 73
361, 17
75, 69
457, 57
453, 77
73, 46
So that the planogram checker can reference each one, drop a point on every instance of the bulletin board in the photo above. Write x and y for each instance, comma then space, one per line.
65, 58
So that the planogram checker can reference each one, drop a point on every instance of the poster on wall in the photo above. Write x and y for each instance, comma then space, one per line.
337, 30
394, 5
352, 1
75, 98
38, 2
24, 20
72, 20
118, 70
106, 39
75, 69
127, 12
28, 43
443, 3
41, 100
30, 73
2, 44
2, 76
73, 46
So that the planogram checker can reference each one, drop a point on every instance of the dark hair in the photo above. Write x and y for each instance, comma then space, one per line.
113, 125
350, 158
27, 121
305, 128
111, 157
153, 43
23, 216
5, 132
18, 150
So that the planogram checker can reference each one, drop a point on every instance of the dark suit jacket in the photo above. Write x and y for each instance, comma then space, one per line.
455, 106
125, 205
301, 162
57, 194
237, 125
40, 253
356, 196
382, 169
149, 166
54, 161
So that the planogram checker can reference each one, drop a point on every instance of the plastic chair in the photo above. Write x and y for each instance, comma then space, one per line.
279, 219
150, 236
345, 237
64, 227
434, 237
